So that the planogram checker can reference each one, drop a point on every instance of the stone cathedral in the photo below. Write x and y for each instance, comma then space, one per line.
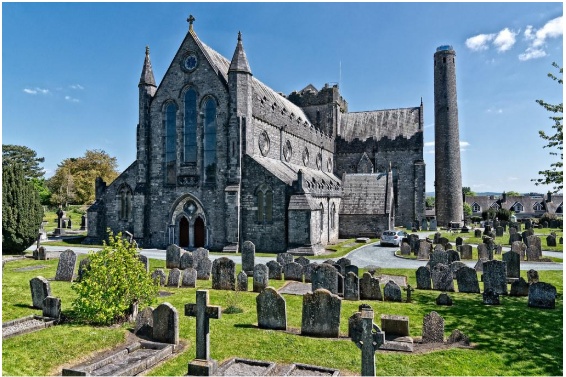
223, 159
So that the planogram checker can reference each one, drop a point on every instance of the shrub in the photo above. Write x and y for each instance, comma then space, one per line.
501, 214
21, 211
116, 279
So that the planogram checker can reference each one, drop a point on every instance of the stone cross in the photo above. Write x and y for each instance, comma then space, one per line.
409, 289
190, 20
203, 312
370, 342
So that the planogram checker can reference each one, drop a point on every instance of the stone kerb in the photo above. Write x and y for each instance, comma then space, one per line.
166, 324
66, 266
321, 314
271, 310
40, 289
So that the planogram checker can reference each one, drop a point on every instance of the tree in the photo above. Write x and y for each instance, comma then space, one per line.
467, 210
430, 201
554, 175
22, 212
467, 191
513, 193
40, 185
25, 157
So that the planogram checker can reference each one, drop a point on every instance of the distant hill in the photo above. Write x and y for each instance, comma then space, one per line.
487, 193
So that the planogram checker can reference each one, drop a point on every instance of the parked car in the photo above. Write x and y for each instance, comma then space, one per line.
392, 237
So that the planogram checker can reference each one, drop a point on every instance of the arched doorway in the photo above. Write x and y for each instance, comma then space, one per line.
199, 232
184, 232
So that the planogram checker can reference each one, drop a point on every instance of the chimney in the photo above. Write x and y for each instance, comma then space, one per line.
504, 197
548, 197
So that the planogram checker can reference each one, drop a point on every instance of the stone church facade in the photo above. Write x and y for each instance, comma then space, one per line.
223, 159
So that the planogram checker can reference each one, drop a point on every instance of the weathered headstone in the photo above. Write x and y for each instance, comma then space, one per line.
424, 225
204, 267
459, 241
438, 257
344, 262
325, 276
542, 295
352, 268
369, 288
534, 248
490, 297
499, 231
467, 280
455, 266
479, 265
466, 251
532, 276
405, 249
174, 278
453, 256
275, 270
436, 238
66, 266
519, 288
173, 256
551, 241
477, 233
41, 253
392, 292
187, 261
424, 250
444, 299
223, 274
514, 237
189, 278
284, 258
321, 314
495, 276
371, 338
261, 277
395, 324
423, 278
159, 277
351, 287
293, 271
482, 251
433, 225
433, 328
200, 253
520, 248
40, 289
166, 324
144, 261
302, 261
52, 307
242, 282
513, 261
144, 323
271, 310
248, 257
442, 278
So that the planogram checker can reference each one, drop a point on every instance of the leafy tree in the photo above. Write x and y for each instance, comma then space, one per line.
467, 191
25, 157
40, 186
554, 175
513, 193
430, 201
501, 214
21, 211
115, 279
467, 210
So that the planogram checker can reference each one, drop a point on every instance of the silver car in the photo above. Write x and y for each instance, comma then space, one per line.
392, 237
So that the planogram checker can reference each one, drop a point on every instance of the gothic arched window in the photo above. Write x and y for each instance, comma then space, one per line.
321, 219
209, 140
170, 121
190, 129
264, 196
260, 206
333, 216
125, 203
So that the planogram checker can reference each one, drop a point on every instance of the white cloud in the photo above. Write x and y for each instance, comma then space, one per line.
532, 53
429, 144
77, 86
512, 178
464, 144
36, 91
537, 38
505, 40
479, 42
71, 99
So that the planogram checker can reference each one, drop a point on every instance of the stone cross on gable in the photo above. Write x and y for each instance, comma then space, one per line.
202, 365
190, 20
371, 341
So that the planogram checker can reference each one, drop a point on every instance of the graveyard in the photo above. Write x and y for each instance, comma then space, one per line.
499, 337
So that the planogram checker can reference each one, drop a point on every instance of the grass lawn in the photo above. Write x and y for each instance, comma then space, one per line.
510, 339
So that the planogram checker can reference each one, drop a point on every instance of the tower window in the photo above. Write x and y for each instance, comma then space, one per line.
264, 196
444, 60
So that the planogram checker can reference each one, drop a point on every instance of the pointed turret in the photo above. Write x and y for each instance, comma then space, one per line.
239, 60
146, 89
147, 72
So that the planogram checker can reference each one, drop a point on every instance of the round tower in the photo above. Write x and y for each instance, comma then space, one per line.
447, 165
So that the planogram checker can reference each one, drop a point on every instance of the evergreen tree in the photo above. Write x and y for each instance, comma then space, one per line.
22, 212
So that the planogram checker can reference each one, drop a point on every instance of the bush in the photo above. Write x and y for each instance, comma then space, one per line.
115, 280
501, 214
22, 212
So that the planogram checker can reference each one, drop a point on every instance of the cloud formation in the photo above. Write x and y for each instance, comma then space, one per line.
77, 87
71, 99
36, 91
479, 42
502, 41
537, 38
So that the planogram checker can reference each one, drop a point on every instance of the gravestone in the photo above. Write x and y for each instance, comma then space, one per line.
533, 254
395, 325
424, 250
519, 288
438, 247
532, 275
302, 261
223, 274
405, 249
424, 225
66, 266
325, 276
41, 253
158, 276
490, 297
203, 365
392, 292
436, 238
551, 241
423, 278
142, 259
466, 251
433, 328
369, 288
40, 289
455, 266
271, 310
83, 222
459, 241
204, 267
444, 299
144, 323
433, 225
477, 233
174, 278
520, 248
458, 337
467, 280
166, 324
52, 307
443, 241
514, 237
187, 261
513, 261
284, 258
344, 262
275, 270
338, 268
351, 287
293, 271
261, 277
84, 266
321, 314
534, 243
482, 251
189, 278
200, 253
242, 282
499, 231
352, 268
442, 278
414, 242
173, 256
528, 224
479, 265
542, 295
248, 257
495, 276
452, 256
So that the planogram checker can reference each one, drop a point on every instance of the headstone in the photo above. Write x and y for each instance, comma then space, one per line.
495, 276
532, 275
414, 242
455, 266
284, 258
204, 267
490, 297
443, 241
248, 257
84, 266
187, 261
275, 270
436, 238
513, 237
83, 222
438, 257
519, 288
433, 328
261, 277
325, 276
442, 278
242, 282
459, 241
52, 307
351, 287
499, 231
424, 225
444, 299
166, 324
41, 253
458, 337
352, 268
189, 278
467, 280
542, 295
40, 289
405, 249
143, 259
453, 256
343, 262
174, 278
423, 278
338, 268
438, 247
513, 261
173, 256
302, 261
199, 254
223, 274
203, 365
520, 248
477, 233
321, 314
392, 292
293, 271
479, 265
271, 310
533, 253
424, 250
466, 251
144, 323
64, 223
482, 251
158, 276
528, 224
369, 288
66, 266
433, 225
397, 325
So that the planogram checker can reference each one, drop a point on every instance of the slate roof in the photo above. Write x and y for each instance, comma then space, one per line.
379, 124
527, 201
364, 194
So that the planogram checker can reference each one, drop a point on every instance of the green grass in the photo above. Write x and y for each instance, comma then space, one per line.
510, 339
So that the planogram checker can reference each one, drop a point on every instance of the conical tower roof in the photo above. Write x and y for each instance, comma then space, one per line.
239, 60
147, 72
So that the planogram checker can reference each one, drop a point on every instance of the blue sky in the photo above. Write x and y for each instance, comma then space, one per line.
70, 70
